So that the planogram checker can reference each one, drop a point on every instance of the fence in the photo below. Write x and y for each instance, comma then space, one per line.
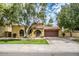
67, 34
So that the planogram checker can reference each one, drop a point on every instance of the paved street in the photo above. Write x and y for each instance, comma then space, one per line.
56, 46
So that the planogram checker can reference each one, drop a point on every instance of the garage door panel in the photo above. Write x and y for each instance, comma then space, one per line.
51, 33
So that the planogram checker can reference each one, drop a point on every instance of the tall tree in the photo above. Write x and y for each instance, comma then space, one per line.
50, 23
69, 17
41, 13
12, 14
27, 13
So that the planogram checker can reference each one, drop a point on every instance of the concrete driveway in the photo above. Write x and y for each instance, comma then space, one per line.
56, 46
63, 45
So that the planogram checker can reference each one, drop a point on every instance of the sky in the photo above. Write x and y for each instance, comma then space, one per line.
52, 10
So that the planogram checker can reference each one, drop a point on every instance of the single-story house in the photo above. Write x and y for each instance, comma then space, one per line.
38, 30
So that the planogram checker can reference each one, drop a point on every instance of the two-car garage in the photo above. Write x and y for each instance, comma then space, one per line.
50, 32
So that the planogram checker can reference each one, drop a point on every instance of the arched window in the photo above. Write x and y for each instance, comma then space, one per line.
21, 32
37, 33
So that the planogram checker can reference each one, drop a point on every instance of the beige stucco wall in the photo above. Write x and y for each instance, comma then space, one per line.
60, 34
75, 34
67, 34
16, 29
2, 31
8, 28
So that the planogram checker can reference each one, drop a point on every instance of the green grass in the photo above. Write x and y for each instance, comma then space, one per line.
37, 41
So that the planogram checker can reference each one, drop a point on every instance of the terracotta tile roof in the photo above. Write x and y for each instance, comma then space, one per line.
39, 26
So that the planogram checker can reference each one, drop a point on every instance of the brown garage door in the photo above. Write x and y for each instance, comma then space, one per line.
50, 33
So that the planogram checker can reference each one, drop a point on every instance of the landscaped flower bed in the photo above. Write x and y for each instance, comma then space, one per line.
18, 41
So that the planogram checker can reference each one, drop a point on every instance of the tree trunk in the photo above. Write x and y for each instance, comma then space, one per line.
25, 33
27, 29
71, 33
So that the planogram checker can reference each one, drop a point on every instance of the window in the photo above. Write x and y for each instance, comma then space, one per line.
21, 32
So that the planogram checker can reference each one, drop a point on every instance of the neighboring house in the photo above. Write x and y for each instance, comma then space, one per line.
38, 30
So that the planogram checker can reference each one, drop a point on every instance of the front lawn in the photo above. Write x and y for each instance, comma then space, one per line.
37, 41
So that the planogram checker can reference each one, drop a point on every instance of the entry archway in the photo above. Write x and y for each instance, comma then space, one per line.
21, 32
37, 33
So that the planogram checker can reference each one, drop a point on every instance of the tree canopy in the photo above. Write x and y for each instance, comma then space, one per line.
20, 13
69, 16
